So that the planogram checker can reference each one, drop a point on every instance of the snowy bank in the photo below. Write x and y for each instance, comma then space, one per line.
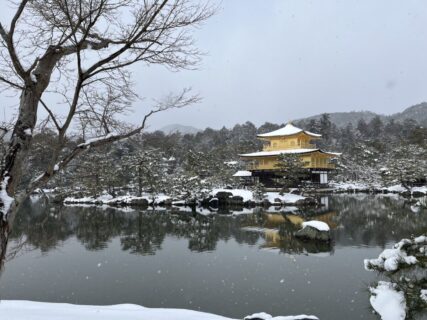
108, 199
389, 303
357, 186
28, 310
214, 198
246, 196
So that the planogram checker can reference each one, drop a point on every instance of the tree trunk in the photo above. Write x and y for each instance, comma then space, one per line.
139, 181
4, 236
17, 152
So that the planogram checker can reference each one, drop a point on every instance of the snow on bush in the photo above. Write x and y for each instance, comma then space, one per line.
423, 295
402, 254
389, 303
5, 199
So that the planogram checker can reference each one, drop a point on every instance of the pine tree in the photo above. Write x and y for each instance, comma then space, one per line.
291, 168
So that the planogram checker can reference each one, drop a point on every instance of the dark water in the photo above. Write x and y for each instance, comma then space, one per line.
229, 264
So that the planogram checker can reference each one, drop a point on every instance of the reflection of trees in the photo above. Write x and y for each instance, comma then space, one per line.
97, 226
374, 220
368, 221
144, 234
41, 227
278, 230
140, 232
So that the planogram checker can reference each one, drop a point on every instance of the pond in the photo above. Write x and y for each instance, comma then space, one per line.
230, 263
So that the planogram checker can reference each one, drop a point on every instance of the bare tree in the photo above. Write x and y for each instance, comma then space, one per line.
77, 52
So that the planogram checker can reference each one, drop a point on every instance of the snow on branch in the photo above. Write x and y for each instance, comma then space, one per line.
5, 199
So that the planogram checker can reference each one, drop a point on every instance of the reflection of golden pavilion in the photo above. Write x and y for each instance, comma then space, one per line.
274, 219
328, 218
272, 238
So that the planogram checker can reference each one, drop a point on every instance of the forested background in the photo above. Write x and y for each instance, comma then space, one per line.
379, 150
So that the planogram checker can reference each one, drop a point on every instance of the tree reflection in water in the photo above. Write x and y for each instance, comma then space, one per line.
355, 220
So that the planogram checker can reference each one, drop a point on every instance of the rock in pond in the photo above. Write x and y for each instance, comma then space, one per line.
314, 230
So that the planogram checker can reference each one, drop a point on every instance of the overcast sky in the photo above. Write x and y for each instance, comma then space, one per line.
279, 60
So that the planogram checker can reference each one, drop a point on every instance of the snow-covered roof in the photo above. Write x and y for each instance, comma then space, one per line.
287, 130
242, 173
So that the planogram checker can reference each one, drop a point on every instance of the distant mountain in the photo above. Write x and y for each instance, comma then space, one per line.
417, 112
173, 128
341, 119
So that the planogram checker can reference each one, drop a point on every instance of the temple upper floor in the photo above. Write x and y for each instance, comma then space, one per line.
288, 137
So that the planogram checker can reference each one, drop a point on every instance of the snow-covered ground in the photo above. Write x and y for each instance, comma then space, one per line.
29, 310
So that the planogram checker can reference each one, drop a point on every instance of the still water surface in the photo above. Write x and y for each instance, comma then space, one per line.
233, 263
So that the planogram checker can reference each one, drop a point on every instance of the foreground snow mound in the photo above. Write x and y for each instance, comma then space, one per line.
29, 310
402, 254
266, 316
389, 303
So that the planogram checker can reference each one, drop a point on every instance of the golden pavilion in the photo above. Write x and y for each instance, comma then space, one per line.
290, 140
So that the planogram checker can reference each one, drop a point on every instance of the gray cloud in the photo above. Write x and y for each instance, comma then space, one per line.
279, 60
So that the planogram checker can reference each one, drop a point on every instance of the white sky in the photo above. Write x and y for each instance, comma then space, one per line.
278, 60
